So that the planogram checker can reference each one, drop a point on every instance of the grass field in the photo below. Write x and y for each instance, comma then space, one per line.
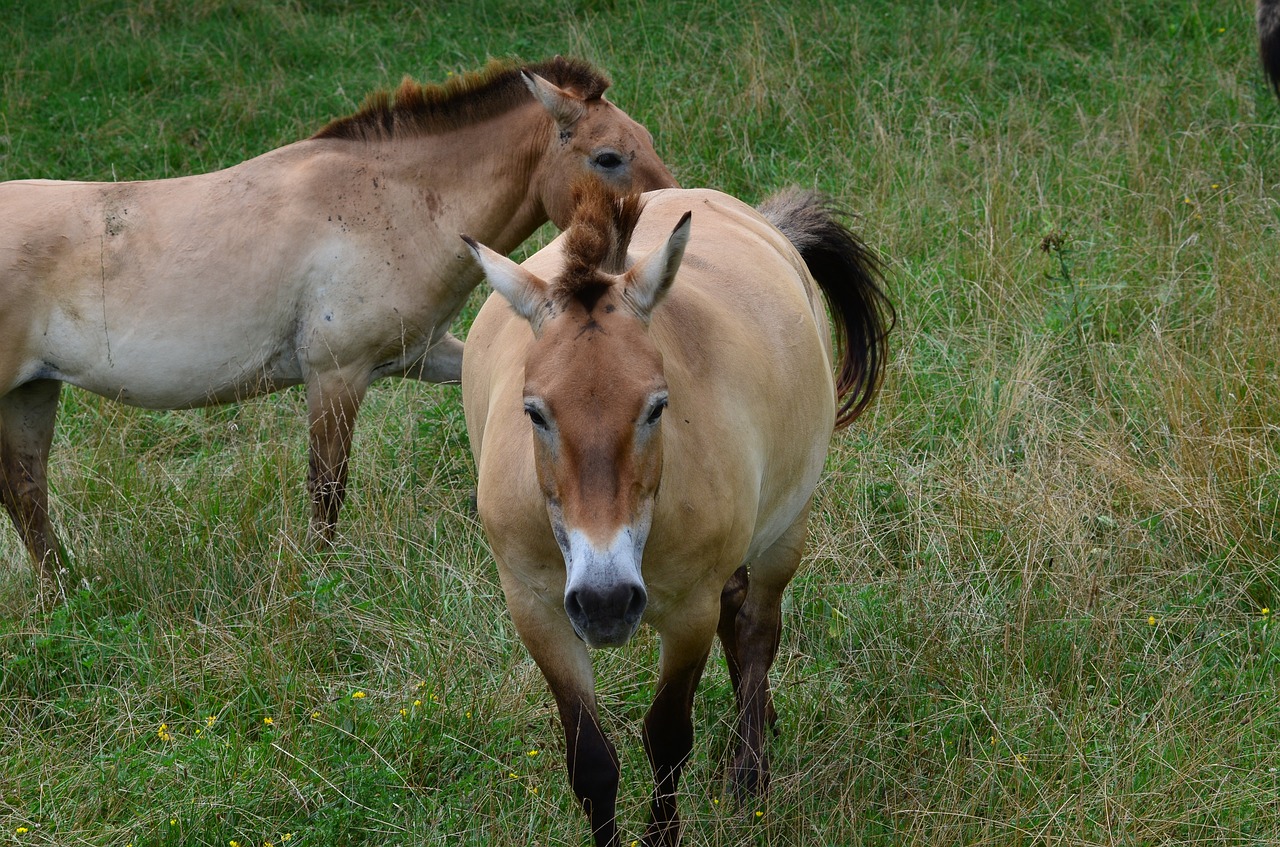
1036, 608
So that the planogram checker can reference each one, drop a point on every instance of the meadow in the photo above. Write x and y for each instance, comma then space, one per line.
1037, 606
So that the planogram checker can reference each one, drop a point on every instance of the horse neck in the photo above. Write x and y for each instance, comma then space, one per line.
484, 177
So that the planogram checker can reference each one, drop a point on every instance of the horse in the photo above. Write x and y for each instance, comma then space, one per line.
648, 431
329, 262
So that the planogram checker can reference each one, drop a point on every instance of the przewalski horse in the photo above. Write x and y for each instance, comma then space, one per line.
330, 262
648, 433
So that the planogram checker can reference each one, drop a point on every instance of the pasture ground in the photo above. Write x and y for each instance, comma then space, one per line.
1036, 608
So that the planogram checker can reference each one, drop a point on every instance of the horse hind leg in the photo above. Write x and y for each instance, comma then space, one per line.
26, 434
756, 633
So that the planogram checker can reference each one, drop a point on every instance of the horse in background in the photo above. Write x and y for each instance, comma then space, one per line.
648, 431
1269, 40
330, 262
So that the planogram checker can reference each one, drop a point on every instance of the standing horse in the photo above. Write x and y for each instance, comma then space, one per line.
648, 435
330, 262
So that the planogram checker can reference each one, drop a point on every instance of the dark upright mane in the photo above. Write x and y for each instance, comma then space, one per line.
423, 109
596, 241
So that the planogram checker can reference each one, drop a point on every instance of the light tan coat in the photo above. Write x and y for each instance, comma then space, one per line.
330, 262
647, 443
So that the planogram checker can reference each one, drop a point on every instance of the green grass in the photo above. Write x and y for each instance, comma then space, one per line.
1032, 607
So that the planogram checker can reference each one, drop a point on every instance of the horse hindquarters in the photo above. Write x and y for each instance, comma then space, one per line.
26, 433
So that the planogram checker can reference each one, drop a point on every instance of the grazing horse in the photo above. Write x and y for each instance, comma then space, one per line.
329, 262
648, 431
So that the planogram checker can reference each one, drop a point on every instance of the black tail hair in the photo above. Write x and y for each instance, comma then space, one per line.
850, 275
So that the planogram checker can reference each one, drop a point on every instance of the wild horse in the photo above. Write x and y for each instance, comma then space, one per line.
329, 262
648, 433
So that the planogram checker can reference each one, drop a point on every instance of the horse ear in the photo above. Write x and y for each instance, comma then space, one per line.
525, 292
565, 109
650, 279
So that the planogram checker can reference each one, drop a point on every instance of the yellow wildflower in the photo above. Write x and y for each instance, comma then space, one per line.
1151, 620
1265, 611
233, 843
22, 830
268, 721
404, 713
532, 753
288, 836
357, 695
210, 720
417, 702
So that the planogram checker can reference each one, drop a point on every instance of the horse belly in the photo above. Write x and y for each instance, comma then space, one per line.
171, 365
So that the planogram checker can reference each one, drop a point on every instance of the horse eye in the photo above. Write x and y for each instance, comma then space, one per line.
535, 417
607, 161
656, 414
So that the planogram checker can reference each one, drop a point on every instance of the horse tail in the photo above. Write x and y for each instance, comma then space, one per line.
851, 276
1269, 40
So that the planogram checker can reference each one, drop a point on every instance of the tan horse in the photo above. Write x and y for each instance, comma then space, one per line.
330, 262
647, 444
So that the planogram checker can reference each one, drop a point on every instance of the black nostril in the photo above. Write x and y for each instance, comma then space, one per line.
573, 605
635, 608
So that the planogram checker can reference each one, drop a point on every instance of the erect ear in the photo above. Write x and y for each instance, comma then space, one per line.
650, 279
525, 292
565, 109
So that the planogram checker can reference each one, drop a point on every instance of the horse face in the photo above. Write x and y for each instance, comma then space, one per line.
592, 138
594, 395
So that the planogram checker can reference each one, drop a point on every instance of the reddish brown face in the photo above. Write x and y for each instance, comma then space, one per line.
594, 395
593, 138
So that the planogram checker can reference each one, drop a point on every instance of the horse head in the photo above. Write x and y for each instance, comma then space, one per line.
594, 393
590, 137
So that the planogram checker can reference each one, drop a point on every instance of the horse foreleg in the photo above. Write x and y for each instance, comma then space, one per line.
758, 630
443, 362
565, 663
668, 725
26, 433
333, 399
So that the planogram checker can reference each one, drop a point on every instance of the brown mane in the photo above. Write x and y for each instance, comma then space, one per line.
596, 241
424, 109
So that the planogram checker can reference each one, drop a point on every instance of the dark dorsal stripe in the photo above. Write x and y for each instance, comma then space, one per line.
424, 109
